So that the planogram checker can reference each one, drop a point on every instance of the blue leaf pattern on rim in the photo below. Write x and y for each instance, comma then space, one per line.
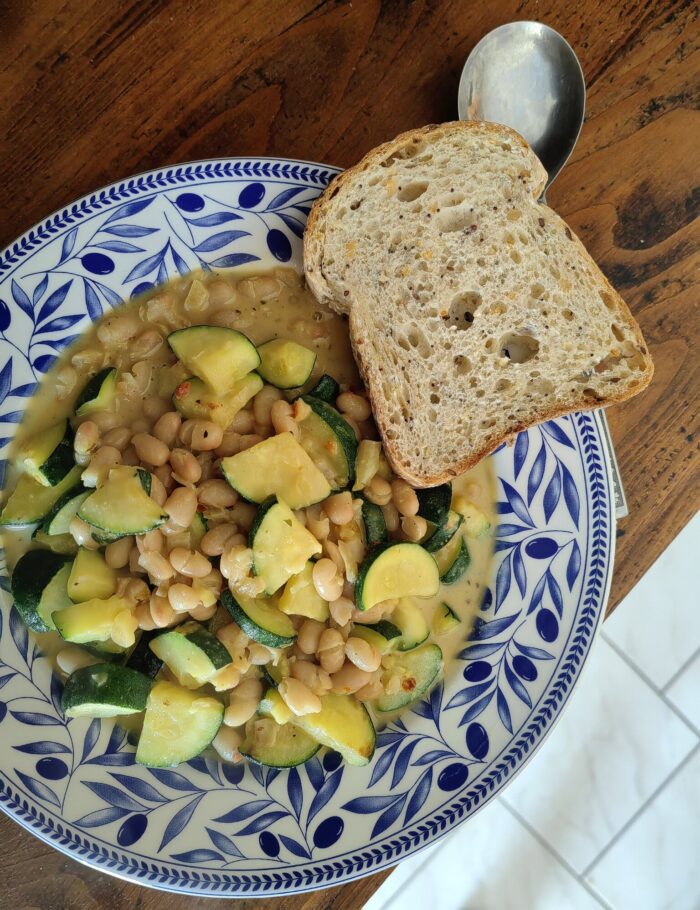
139, 225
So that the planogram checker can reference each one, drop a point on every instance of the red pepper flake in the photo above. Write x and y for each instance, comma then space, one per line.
183, 390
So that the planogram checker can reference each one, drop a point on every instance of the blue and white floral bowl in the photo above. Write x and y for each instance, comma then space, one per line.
228, 830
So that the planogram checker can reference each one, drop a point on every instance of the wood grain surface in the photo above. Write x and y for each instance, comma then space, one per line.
95, 90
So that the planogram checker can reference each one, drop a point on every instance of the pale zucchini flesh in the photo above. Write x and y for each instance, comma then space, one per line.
177, 726
393, 571
280, 543
220, 356
418, 670
277, 466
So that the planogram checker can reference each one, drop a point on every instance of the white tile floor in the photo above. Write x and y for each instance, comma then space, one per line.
608, 812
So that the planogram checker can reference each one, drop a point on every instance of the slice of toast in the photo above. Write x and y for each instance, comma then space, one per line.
475, 311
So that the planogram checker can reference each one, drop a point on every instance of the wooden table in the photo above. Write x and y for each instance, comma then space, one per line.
94, 91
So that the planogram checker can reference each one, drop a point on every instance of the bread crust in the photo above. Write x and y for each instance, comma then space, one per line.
313, 254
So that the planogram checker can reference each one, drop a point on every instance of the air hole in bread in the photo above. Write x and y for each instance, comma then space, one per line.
607, 300
490, 344
409, 150
518, 348
434, 398
523, 238
462, 364
453, 220
503, 385
496, 309
488, 423
568, 315
554, 272
480, 393
412, 191
462, 310
514, 215
355, 205
542, 387
506, 146
451, 199
509, 238
591, 394
617, 332
516, 257
537, 290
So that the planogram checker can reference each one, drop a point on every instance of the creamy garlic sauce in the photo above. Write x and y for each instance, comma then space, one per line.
263, 307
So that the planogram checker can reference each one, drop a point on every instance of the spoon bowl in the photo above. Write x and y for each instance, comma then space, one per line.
526, 76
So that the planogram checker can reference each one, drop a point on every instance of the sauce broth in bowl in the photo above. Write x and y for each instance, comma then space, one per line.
234, 548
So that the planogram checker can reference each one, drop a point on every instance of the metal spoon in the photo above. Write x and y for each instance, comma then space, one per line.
526, 76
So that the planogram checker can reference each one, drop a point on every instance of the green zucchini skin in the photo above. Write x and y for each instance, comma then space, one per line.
115, 689
32, 574
420, 667
99, 392
31, 501
460, 565
292, 747
326, 389
434, 503
253, 629
375, 526
343, 433
142, 658
56, 522
444, 533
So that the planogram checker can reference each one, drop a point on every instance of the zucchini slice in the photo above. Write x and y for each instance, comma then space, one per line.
291, 746
342, 724
90, 577
218, 355
384, 635
330, 442
142, 658
445, 619
453, 560
476, 524
39, 588
410, 619
444, 533
285, 363
280, 543
194, 399
300, 597
179, 724
434, 503
48, 455
91, 620
396, 570
419, 669
375, 526
105, 690
64, 511
277, 466
260, 619
122, 506
191, 653
105, 650
99, 394
58, 543
31, 501
326, 389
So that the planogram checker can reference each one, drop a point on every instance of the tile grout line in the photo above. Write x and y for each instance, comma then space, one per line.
681, 670
523, 822
652, 685
645, 805
432, 853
